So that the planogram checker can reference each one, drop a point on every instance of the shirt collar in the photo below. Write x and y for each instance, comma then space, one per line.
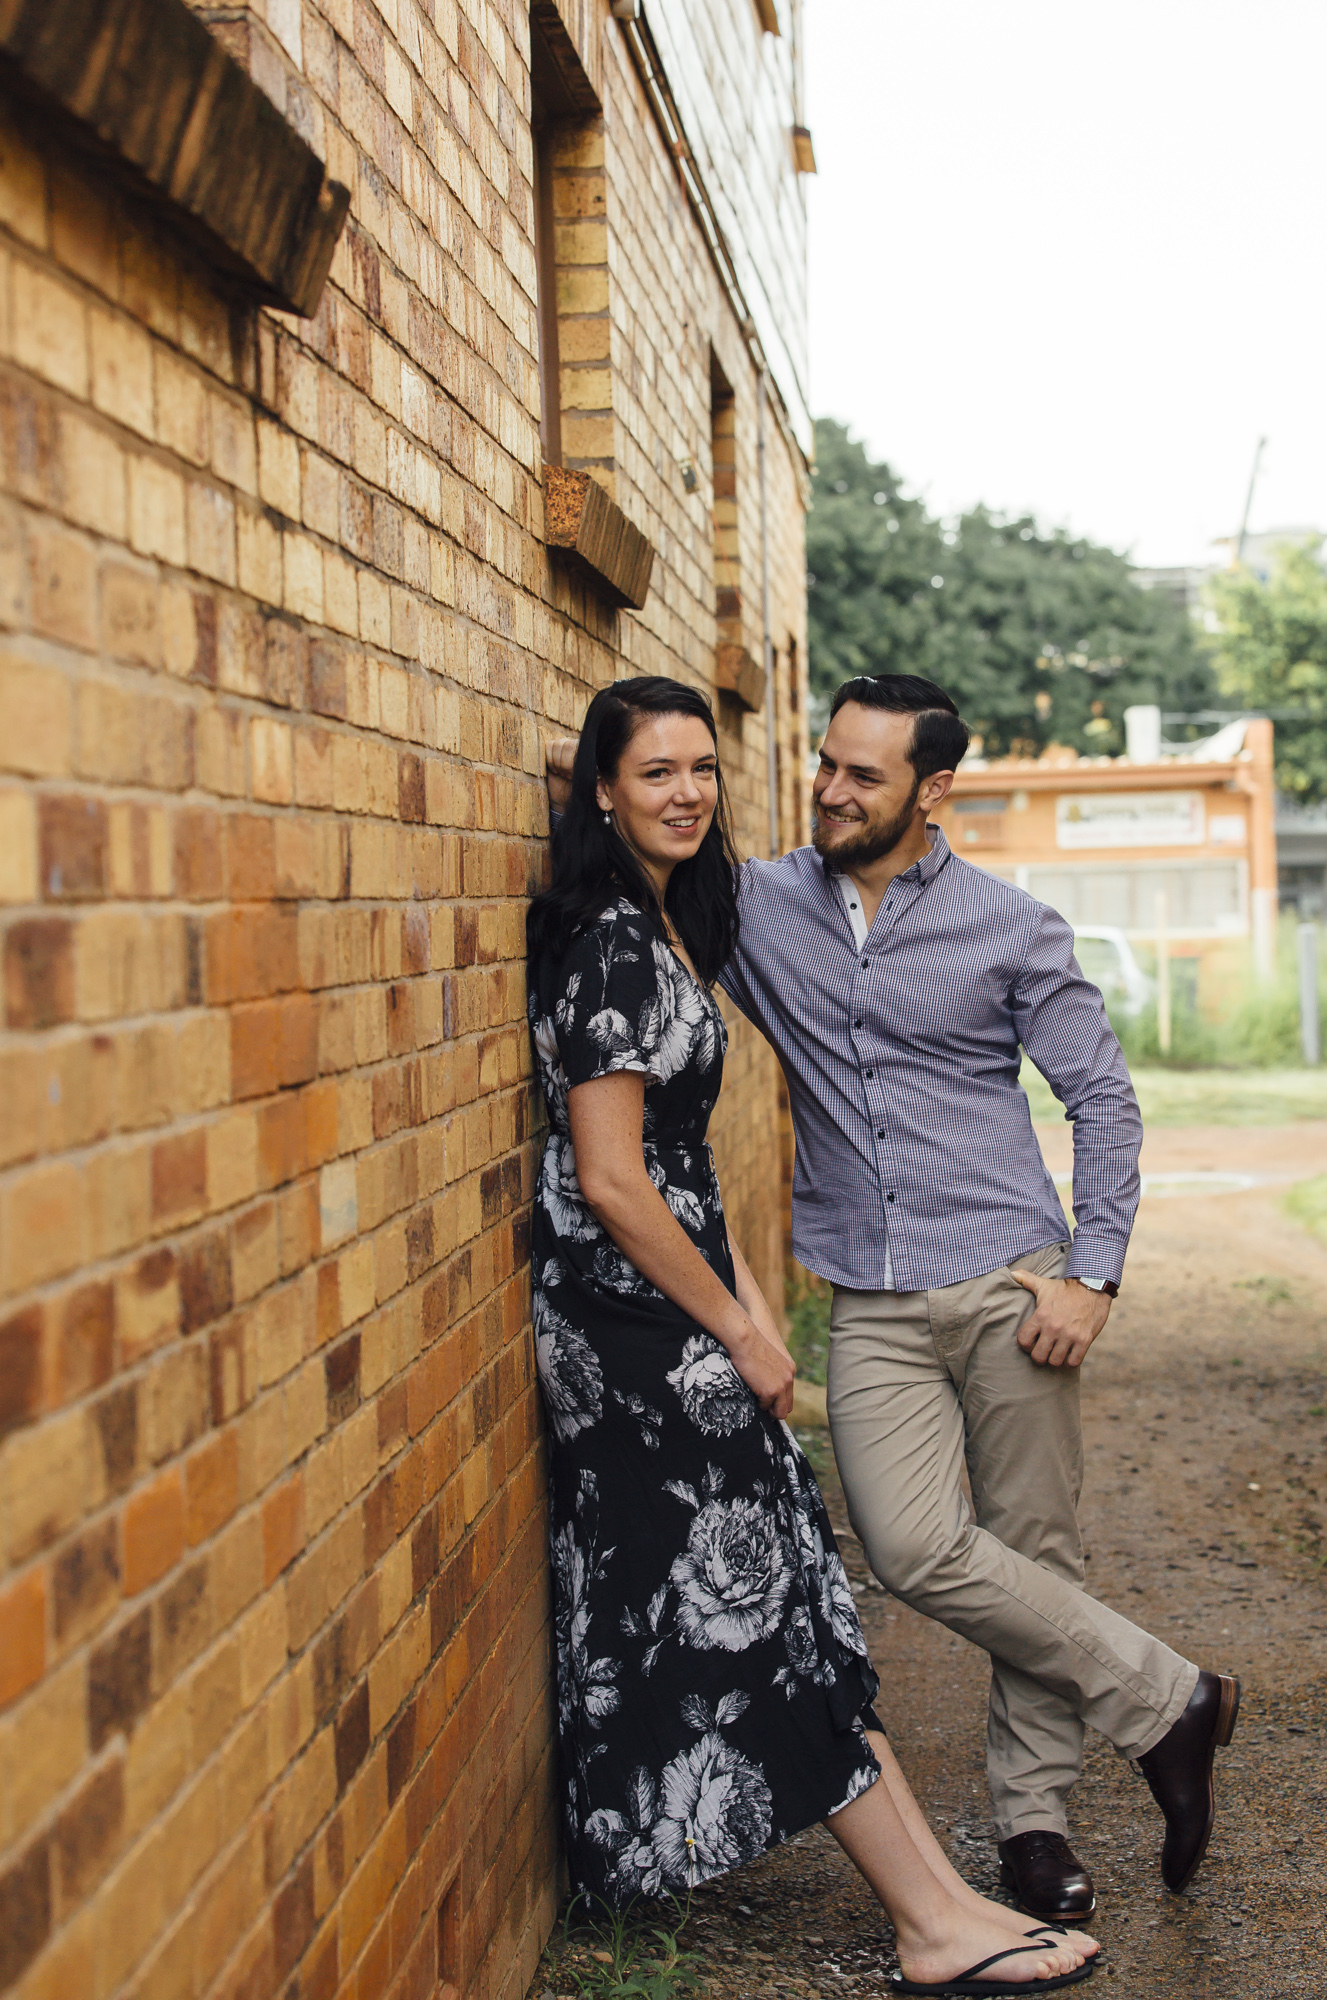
924, 870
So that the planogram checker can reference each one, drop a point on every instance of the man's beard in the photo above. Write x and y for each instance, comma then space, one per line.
872, 843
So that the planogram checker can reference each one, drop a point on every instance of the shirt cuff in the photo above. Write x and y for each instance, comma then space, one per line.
1093, 1259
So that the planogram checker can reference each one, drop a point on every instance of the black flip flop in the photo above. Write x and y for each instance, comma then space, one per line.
965, 1984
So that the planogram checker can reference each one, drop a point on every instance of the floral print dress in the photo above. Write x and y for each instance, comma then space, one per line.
712, 1677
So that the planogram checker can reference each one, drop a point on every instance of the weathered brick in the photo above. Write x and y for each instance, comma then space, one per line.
25, 1911
86, 1582
120, 1679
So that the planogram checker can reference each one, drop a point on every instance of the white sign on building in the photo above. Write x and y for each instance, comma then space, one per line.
1130, 819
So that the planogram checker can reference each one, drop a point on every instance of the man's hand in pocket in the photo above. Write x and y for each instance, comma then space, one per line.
1067, 1319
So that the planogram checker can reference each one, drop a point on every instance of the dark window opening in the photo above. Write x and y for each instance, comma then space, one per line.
551, 104
723, 459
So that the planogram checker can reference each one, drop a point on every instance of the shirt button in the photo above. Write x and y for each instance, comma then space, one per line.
889, 1197
858, 1022
870, 1072
866, 961
880, 1135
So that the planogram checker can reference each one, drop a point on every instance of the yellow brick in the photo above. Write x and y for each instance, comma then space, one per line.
340, 594
271, 761
375, 609
50, 329
234, 444
43, 1741
232, 1160
303, 565
121, 370
278, 470
211, 531
259, 556
262, 1642
35, 704
18, 847
156, 510
47, 1480
159, 1760
94, 477
181, 408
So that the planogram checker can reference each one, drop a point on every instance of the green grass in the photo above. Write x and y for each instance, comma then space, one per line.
1307, 1202
808, 1303
1208, 1096
622, 1955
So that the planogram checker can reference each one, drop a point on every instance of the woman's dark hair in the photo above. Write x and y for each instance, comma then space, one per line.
592, 864
939, 735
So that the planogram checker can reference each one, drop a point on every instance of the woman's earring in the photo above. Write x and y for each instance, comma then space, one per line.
608, 819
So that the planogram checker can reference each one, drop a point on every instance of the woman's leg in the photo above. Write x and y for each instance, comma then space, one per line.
914, 1819
937, 1937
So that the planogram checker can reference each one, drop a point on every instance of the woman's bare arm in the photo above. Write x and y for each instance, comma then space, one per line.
750, 1295
607, 1125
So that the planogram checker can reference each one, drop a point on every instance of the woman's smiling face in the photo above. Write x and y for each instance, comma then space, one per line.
664, 795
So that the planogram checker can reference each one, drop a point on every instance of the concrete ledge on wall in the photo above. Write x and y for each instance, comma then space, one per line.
736, 673
595, 535
143, 84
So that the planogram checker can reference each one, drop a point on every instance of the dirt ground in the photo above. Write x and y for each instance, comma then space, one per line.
1204, 1514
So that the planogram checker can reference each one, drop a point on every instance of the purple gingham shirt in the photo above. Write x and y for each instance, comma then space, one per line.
916, 1163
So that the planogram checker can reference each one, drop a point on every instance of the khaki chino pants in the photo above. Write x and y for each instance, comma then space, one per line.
917, 1382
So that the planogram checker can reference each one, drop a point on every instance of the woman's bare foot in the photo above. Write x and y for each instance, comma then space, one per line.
1021, 1925
967, 1939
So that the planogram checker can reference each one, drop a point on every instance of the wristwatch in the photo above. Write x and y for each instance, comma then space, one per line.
1101, 1285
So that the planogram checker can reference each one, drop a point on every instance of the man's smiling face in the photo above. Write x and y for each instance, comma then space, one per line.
865, 792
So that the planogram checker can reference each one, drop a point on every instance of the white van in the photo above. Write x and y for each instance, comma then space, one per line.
1106, 957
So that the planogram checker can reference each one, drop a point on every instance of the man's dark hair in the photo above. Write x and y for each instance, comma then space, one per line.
939, 736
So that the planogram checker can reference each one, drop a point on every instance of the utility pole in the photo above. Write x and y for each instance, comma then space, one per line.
1248, 501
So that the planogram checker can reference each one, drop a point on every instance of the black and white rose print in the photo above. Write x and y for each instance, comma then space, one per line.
713, 1394
710, 1669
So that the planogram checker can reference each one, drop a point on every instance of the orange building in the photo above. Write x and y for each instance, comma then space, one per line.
1101, 838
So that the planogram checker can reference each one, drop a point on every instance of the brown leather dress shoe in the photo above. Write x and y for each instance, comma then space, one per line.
1047, 1878
1179, 1772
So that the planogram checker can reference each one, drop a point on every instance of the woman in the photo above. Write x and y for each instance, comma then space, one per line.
714, 1687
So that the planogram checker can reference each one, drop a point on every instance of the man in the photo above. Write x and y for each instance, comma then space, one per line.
896, 983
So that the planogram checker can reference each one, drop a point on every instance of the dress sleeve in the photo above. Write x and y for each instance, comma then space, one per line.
607, 1014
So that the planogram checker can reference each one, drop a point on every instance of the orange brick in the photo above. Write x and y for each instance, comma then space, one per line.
211, 1486
283, 1527
179, 1177
255, 1049
23, 1623
153, 1531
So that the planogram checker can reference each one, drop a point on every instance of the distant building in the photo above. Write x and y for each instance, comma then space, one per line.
1100, 838
1301, 847
1186, 583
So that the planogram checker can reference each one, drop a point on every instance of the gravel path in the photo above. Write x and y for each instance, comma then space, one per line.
1205, 1510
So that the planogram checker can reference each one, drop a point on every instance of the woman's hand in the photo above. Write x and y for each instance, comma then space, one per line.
559, 756
767, 1370
753, 1300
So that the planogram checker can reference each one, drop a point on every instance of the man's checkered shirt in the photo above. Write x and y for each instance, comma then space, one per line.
916, 1162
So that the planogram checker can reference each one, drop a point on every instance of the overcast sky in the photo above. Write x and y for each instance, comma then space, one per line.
1069, 256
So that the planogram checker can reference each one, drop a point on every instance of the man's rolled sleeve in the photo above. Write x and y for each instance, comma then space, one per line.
1062, 1024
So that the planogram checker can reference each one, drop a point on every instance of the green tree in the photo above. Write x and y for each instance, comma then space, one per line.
1270, 651
1039, 636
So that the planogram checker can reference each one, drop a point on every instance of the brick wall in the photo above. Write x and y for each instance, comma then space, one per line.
279, 644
